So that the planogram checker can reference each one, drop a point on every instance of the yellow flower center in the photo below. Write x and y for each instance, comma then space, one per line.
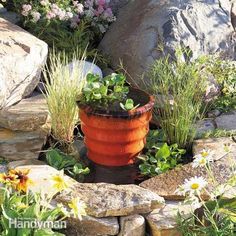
204, 154
202, 161
195, 186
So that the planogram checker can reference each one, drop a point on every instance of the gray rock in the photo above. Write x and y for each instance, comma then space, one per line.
3, 168
204, 126
216, 145
227, 121
162, 222
104, 199
13, 17
213, 114
117, 4
21, 61
15, 164
142, 27
29, 114
87, 67
92, 226
21, 145
132, 225
213, 89
42, 174
2, 9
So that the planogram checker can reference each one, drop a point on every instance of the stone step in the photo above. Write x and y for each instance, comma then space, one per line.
21, 145
28, 115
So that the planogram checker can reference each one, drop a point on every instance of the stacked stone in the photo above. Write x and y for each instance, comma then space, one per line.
23, 123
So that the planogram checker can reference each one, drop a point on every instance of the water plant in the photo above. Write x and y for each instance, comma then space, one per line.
69, 164
159, 157
110, 92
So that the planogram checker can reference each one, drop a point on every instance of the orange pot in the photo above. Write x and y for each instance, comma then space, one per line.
116, 138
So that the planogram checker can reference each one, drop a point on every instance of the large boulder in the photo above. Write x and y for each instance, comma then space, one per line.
143, 27
21, 59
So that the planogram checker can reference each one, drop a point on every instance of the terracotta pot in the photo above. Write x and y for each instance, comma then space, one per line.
116, 138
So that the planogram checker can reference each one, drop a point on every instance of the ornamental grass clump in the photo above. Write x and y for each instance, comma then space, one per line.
63, 87
179, 91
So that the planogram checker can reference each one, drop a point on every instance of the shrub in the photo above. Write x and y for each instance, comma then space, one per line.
63, 87
66, 25
178, 88
224, 73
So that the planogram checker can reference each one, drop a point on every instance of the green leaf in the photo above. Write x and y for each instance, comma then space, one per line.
24, 232
129, 104
92, 78
97, 96
153, 159
78, 169
163, 152
96, 85
32, 211
54, 158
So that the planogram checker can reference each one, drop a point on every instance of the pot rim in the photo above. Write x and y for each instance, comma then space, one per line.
121, 114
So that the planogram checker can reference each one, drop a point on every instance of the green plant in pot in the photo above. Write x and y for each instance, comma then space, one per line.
114, 118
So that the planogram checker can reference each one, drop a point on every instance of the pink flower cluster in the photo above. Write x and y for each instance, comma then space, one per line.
96, 11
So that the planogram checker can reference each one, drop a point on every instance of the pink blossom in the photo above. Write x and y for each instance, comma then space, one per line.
99, 10
79, 8
26, 8
44, 2
101, 2
108, 13
50, 15
36, 16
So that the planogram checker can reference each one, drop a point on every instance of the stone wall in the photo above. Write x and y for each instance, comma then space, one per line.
117, 4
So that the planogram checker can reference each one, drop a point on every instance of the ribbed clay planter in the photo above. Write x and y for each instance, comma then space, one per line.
116, 138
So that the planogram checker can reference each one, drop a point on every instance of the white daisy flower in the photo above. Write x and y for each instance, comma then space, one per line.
203, 158
207, 153
194, 185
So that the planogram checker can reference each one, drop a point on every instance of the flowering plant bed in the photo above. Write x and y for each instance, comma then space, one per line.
66, 25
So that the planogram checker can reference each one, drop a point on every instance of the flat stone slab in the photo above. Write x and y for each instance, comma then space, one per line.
20, 145
227, 121
167, 183
29, 114
88, 226
162, 222
21, 163
104, 199
216, 145
92, 226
